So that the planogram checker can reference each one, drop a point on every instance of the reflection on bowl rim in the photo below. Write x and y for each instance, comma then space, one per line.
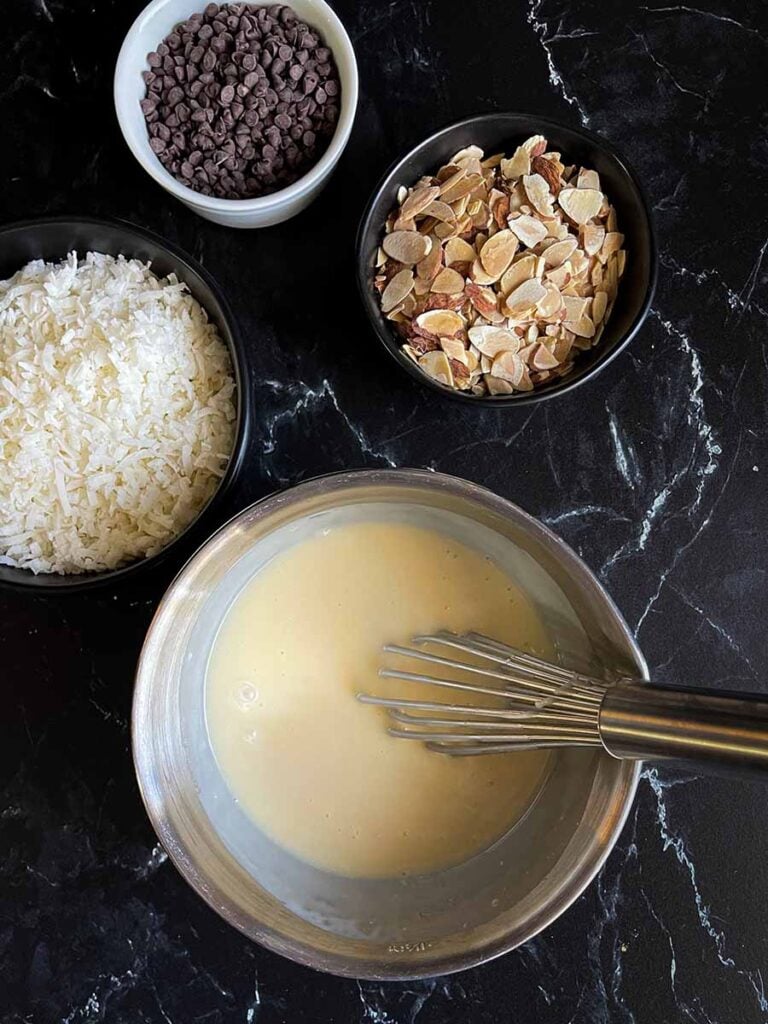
149, 771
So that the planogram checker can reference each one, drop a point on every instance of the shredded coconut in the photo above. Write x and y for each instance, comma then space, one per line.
117, 413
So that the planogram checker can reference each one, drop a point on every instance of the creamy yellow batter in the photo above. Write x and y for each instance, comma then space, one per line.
313, 767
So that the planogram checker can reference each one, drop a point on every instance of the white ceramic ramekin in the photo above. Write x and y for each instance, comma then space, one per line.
147, 32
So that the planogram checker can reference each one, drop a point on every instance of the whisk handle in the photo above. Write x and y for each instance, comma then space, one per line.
652, 723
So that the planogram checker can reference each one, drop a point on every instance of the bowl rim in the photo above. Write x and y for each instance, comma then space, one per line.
563, 387
124, 68
86, 581
623, 794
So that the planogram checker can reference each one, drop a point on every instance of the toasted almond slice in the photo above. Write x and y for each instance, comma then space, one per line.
610, 221
588, 179
517, 166
613, 242
583, 328
439, 210
551, 302
436, 365
381, 257
560, 276
489, 341
599, 304
451, 179
410, 352
418, 201
402, 195
529, 230
592, 238
558, 252
484, 301
509, 366
521, 270
497, 253
580, 263
456, 250
461, 188
407, 246
575, 308
397, 289
562, 348
459, 207
479, 276
444, 230
580, 204
448, 282
525, 296
543, 359
596, 275
621, 261
442, 322
539, 196
404, 224
421, 287
470, 153
497, 386
535, 145
454, 349
429, 267
532, 334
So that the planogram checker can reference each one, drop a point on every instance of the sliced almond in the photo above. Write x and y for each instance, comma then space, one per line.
381, 257
621, 261
583, 328
497, 253
580, 204
456, 250
440, 211
610, 220
509, 366
397, 289
592, 237
469, 153
461, 188
497, 386
539, 196
436, 365
445, 229
480, 276
613, 242
575, 308
454, 348
519, 164
599, 304
521, 270
448, 282
489, 341
558, 252
406, 246
588, 179
525, 296
442, 322
551, 302
529, 230
418, 201
484, 301
560, 276
429, 267
458, 174
543, 359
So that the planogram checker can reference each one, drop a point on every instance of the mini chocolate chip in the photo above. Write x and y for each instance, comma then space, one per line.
227, 95
295, 72
237, 110
320, 95
154, 60
187, 170
156, 145
332, 87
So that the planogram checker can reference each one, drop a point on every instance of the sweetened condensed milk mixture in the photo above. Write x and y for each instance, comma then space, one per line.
314, 768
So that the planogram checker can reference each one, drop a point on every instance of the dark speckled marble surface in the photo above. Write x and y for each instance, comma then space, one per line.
654, 473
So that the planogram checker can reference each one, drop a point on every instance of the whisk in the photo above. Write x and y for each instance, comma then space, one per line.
526, 702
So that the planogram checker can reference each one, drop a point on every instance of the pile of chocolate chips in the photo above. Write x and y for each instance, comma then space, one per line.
241, 100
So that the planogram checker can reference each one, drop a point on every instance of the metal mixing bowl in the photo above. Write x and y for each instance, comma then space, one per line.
376, 928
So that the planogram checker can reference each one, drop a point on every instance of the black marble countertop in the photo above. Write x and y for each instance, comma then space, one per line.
654, 473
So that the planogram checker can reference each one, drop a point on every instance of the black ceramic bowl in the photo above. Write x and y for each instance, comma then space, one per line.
496, 133
51, 239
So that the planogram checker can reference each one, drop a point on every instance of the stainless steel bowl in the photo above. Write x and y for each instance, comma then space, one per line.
382, 928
